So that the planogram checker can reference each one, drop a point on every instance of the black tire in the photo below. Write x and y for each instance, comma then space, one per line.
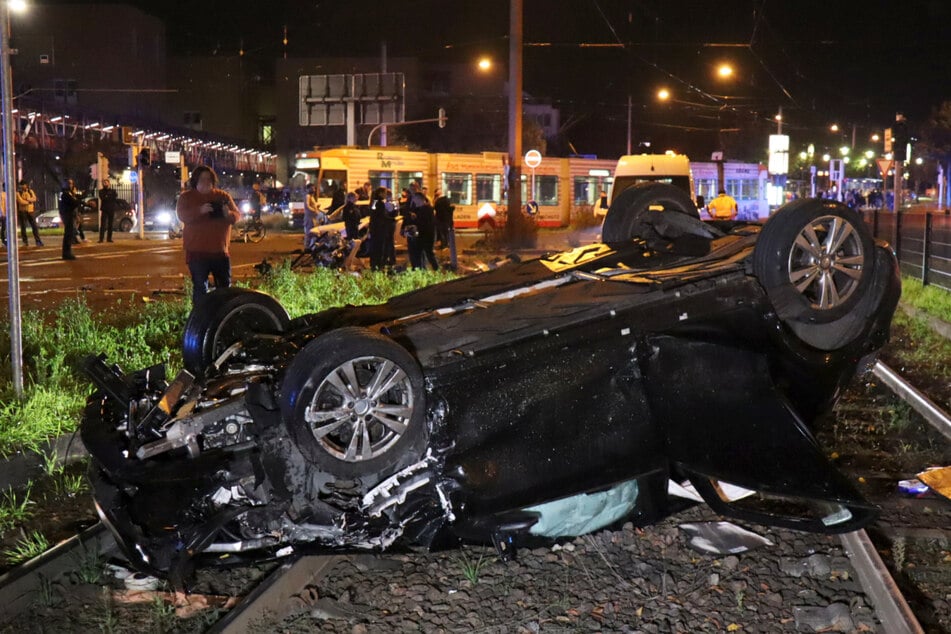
256, 232
125, 225
317, 387
792, 260
623, 221
224, 317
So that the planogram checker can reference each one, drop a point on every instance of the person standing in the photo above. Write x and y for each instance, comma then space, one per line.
444, 208
70, 201
421, 246
207, 214
26, 201
108, 201
312, 215
256, 200
381, 230
351, 217
723, 207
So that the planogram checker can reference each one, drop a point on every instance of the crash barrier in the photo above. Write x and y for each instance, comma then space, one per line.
922, 242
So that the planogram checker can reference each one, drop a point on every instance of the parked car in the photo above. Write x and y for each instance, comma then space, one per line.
543, 399
160, 219
124, 219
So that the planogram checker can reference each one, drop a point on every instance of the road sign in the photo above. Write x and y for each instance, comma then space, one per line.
533, 158
885, 166
173, 157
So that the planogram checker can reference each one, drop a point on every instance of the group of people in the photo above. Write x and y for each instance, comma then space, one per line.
424, 221
70, 208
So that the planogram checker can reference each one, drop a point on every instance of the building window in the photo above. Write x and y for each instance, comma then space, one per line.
65, 90
192, 119
266, 132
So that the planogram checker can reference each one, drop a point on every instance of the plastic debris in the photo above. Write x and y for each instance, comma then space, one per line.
939, 479
722, 538
913, 486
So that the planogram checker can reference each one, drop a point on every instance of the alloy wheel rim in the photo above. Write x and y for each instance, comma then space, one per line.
826, 262
361, 409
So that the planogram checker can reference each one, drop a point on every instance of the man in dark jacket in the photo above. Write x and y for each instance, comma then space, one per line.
70, 200
444, 208
108, 201
421, 246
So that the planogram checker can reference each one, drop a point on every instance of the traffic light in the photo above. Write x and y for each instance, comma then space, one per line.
442, 117
900, 139
144, 157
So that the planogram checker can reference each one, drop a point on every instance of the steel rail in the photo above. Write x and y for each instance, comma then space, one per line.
918, 401
19, 587
274, 592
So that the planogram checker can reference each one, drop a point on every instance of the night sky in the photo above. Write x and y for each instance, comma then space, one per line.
844, 61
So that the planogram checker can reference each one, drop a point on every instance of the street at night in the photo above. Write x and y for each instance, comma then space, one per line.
510, 316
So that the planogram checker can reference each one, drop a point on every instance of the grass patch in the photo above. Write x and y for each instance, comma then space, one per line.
26, 548
931, 299
138, 334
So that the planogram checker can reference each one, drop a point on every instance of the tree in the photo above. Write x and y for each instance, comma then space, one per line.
935, 144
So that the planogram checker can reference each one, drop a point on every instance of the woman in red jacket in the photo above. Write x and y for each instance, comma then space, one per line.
207, 214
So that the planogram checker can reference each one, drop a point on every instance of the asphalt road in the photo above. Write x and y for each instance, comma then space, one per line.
130, 267
125, 268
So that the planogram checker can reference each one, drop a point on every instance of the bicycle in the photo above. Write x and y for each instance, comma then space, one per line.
254, 230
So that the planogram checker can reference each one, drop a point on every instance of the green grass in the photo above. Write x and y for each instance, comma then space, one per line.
26, 548
15, 508
136, 334
931, 299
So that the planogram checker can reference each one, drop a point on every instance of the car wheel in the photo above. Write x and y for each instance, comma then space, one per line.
623, 221
225, 317
353, 402
815, 260
125, 225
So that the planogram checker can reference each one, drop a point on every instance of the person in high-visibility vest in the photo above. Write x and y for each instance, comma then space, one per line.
723, 207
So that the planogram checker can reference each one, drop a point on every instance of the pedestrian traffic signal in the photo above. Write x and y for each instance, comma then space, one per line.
144, 157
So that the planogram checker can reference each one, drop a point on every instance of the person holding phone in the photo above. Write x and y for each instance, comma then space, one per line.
207, 215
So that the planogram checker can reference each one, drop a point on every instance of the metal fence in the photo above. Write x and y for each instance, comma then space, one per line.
922, 242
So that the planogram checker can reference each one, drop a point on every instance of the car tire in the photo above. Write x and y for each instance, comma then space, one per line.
623, 221
125, 225
226, 316
815, 260
357, 443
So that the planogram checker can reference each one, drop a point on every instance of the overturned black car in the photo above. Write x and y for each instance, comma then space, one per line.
543, 399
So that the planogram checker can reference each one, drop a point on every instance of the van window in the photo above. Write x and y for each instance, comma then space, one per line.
623, 182
331, 180
380, 179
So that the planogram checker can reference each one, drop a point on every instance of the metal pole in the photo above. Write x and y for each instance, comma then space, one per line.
898, 184
629, 124
382, 70
9, 181
515, 116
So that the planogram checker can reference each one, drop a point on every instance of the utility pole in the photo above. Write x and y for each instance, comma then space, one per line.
513, 223
9, 181
382, 72
629, 123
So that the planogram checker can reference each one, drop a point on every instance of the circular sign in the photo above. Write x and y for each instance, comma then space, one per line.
533, 158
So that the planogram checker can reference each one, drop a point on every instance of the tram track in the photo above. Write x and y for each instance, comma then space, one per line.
269, 597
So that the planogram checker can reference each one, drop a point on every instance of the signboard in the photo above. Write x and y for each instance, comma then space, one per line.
885, 166
836, 170
533, 158
173, 157
778, 154
367, 99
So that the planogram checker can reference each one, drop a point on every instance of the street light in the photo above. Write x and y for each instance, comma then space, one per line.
663, 94
724, 71
875, 137
485, 64
834, 127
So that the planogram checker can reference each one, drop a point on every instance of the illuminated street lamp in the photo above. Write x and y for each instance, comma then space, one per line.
826, 158
875, 137
869, 154
663, 94
485, 64
834, 127
725, 71
844, 150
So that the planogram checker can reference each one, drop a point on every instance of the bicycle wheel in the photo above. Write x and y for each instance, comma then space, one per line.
255, 232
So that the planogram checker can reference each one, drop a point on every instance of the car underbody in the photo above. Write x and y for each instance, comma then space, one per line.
545, 399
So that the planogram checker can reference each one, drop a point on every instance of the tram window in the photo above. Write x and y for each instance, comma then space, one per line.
546, 189
488, 188
330, 180
380, 179
460, 187
586, 190
403, 179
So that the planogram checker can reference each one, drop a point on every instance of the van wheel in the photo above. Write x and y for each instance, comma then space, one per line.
125, 225
625, 218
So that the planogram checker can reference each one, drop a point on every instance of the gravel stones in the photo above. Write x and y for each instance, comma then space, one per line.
626, 580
